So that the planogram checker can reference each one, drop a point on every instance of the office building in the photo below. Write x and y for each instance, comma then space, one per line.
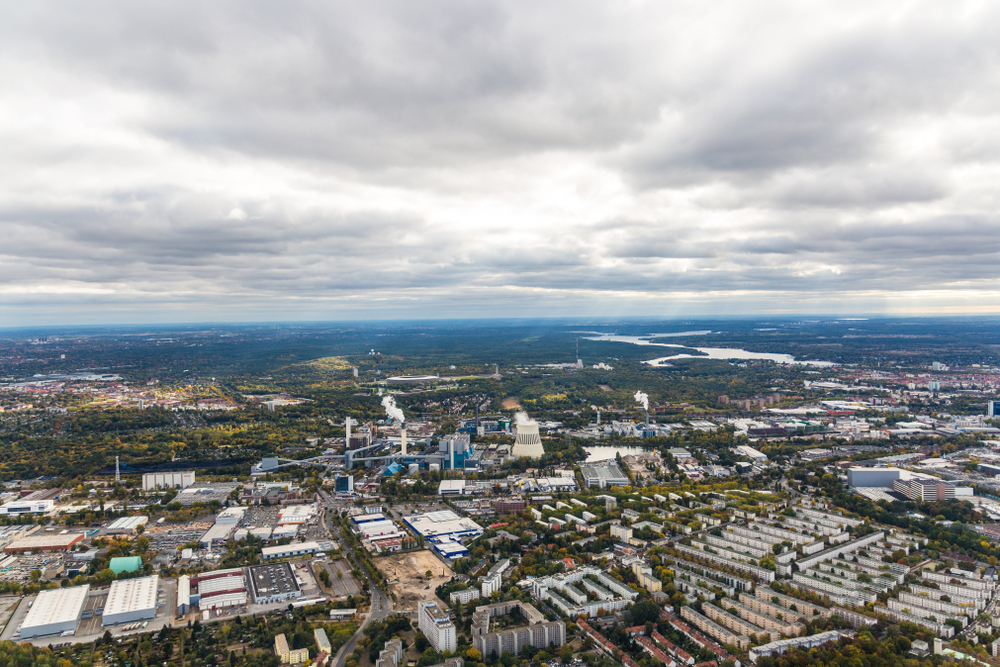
925, 490
436, 626
344, 484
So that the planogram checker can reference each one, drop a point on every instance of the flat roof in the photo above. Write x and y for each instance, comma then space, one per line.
272, 579
444, 522
57, 606
129, 595
289, 548
54, 541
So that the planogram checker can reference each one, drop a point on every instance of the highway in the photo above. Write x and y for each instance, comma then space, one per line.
381, 605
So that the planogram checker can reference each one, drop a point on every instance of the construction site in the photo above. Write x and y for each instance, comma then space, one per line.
407, 572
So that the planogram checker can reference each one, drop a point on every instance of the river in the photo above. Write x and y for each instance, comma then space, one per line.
719, 353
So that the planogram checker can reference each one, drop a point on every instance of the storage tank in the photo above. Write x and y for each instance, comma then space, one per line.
414, 468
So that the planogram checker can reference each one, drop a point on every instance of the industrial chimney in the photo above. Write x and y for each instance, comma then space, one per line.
402, 433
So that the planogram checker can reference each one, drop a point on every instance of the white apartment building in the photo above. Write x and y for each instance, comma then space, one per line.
436, 626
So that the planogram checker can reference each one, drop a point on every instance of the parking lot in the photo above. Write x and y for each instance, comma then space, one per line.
90, 627
343, 585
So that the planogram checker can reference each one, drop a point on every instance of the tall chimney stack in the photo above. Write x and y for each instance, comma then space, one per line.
403, 436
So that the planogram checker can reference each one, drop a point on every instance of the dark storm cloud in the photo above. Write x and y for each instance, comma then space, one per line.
247, 158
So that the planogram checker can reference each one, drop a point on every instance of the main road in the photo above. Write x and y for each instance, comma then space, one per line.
381, 605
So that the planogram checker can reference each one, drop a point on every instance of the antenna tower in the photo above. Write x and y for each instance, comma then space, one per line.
118, 474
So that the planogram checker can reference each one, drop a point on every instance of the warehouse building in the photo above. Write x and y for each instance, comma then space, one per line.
54, 542
121, 564
273, 582
218, 589
55, 612
127, 525
860, 477
603, 475
296, 514
445, 524
131, 600
19, 507
290, 550
152, 481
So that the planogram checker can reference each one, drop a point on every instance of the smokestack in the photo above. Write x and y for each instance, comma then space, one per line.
598, 417
347, 438
647, 417
451, 452
403, 435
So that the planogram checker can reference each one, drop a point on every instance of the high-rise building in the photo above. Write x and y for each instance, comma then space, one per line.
436, 626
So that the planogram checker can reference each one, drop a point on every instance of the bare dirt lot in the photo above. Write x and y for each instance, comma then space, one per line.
405, 573
511, 403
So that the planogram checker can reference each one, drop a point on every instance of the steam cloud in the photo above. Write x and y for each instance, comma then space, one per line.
389, 403
522, 418
642, 398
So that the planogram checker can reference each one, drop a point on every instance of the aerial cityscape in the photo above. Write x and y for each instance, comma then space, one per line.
500, 334
701, 492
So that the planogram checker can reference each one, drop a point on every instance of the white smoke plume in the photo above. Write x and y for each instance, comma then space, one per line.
522, 418
642, 398
389, 403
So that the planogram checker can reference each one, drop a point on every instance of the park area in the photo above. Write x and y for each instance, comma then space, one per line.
407, 575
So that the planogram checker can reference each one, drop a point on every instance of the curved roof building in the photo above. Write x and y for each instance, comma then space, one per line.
527, 442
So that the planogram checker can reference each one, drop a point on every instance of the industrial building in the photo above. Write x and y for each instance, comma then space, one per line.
527, 442
450, 549
290, 550
273, 582
753, 454
456, 448
55, 612
121, 564
218, 589
451, 487
217, 535
436, 626
127, 525
19, 507
151, 481
441, 525
54, 542
131, 600
231, 515
603, 475
860, 477
296, 514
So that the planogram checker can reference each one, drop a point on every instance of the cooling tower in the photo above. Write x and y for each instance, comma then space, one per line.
527, 443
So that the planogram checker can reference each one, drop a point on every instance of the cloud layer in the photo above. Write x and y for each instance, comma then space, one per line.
243, 160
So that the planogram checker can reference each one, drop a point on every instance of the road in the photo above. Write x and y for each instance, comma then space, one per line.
381, 605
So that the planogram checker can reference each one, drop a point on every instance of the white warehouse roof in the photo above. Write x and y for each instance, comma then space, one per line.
131, 597
55, 611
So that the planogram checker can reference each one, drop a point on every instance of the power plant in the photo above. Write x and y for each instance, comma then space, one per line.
527, 442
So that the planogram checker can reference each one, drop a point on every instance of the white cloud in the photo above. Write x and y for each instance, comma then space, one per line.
496, 158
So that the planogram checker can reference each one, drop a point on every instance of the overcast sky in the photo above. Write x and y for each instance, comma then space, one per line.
222, 161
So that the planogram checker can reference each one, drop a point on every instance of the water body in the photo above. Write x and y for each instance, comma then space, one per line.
603, 453
719, 353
